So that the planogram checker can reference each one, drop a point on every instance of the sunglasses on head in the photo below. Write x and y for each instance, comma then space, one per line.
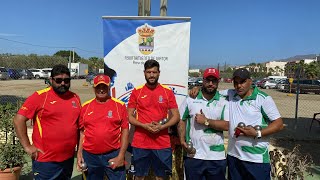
59, 80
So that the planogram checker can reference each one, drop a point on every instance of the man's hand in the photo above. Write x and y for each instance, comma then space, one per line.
33, 151
152, 127
194, 92
80, 160
116, 162
247, 131
200, 118
183, 144
157, 127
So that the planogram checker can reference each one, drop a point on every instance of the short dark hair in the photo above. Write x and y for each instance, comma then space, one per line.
151, 63
59, 69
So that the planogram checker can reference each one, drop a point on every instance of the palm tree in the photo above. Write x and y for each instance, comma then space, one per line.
312, 70
277, 68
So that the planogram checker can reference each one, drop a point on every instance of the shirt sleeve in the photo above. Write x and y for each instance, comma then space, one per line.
184, 110
269, 109
133, 99
225, 109
172, 101
31, 106
125, 119
82, 114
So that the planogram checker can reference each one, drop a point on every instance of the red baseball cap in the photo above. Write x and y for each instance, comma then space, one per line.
211, 72
101, 79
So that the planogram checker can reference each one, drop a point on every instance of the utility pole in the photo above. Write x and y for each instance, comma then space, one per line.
144, 7
72, 54
163, 7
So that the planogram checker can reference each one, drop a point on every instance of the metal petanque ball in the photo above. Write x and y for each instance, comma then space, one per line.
258, 128
163, 121
241, 124
249, 126
237, 131
189, 145
84, 166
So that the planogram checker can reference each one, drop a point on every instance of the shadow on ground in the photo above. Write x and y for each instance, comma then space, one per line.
297, 133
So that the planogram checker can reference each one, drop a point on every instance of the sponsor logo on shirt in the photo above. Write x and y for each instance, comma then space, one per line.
144, 96
53, 102
109, 114
90, 113
24, 108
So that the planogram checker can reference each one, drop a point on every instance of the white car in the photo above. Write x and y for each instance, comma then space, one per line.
39, 73
47, 70
268, 84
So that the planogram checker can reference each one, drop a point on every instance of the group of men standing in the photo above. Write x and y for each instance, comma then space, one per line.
100, 128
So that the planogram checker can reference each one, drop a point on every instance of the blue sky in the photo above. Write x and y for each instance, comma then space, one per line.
232, 31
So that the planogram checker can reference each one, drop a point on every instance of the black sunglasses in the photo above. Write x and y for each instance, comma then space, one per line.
59, 80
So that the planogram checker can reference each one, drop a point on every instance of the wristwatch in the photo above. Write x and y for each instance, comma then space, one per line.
258, 134
206, 122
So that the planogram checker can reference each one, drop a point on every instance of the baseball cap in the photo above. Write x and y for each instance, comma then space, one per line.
101, 79
242, 73
211, 72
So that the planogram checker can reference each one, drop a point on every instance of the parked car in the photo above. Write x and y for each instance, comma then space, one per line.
191, 80
306, 86
269, 84
14, 73
39, 73
25, 74
90, 76
47, 71
282, 84
197, 82
3, 73
260, 82
228, 80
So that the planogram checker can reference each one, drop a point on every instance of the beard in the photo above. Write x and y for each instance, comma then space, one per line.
61, 89
153, 81
209, 91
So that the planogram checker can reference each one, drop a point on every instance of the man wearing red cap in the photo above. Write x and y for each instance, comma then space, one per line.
148, 110
201, 127
103, 133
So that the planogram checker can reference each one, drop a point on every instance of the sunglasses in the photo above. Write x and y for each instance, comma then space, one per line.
211, 80
59, 80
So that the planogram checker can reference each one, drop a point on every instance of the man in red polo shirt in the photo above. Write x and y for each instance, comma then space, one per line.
149, 105
55, 112
103, 133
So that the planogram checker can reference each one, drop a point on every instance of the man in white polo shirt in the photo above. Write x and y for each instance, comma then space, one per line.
203, 121
248, 155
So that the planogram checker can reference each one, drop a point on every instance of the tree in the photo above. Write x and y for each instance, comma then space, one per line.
96, 63
277, 68
67, 54
312, 70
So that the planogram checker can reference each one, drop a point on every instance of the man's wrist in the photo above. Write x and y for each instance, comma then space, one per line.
206, 122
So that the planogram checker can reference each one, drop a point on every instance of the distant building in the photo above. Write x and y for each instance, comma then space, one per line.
195, 72
275, 67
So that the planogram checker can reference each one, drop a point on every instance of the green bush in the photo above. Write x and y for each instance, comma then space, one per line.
12, 153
